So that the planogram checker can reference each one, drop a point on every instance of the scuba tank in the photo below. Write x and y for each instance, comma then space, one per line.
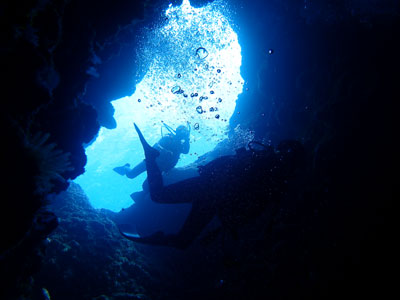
170, 129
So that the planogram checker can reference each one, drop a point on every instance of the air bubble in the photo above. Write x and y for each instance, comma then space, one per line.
219, 71
196, 126
177, 90
219, 100
201, 53
217, 116
139, 100
199, 109
179, 75
212, 92
211, 109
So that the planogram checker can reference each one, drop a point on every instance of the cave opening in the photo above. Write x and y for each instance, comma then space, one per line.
193, 78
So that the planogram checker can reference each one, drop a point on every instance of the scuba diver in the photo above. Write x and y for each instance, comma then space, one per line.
170, 147
236, 188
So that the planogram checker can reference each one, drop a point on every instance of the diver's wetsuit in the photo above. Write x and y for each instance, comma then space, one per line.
235, 188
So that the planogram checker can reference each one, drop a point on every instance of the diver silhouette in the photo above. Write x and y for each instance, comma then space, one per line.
236, 188
170, 146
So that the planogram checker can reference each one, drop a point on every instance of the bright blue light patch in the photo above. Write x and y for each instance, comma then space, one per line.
195, 66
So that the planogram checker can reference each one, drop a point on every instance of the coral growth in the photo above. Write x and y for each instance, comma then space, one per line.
51, 162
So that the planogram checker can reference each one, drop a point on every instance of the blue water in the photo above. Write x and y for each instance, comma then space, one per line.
193, 78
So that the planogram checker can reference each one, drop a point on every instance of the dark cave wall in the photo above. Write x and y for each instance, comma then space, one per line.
47, 49
331, 83
50, 50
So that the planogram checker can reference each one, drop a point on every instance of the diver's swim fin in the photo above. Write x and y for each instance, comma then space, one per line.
149, 152
122, 170
128, 230
154, 239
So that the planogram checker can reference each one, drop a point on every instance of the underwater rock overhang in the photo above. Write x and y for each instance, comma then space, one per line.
33, 95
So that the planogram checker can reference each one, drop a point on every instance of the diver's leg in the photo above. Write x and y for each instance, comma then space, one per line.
182, 192
137, 170
185, 191
201, 214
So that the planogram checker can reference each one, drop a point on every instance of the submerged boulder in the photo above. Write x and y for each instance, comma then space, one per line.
87, 252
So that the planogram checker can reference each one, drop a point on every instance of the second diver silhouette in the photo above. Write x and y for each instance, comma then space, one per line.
235, 188
170, 146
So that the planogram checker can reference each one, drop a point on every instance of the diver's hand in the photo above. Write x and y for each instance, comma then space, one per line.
122, 170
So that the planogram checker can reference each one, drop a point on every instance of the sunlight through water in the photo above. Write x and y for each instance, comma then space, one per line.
193, 76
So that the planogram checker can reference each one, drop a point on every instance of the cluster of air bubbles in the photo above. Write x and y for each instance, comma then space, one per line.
198, 66
241, 137
201, 53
